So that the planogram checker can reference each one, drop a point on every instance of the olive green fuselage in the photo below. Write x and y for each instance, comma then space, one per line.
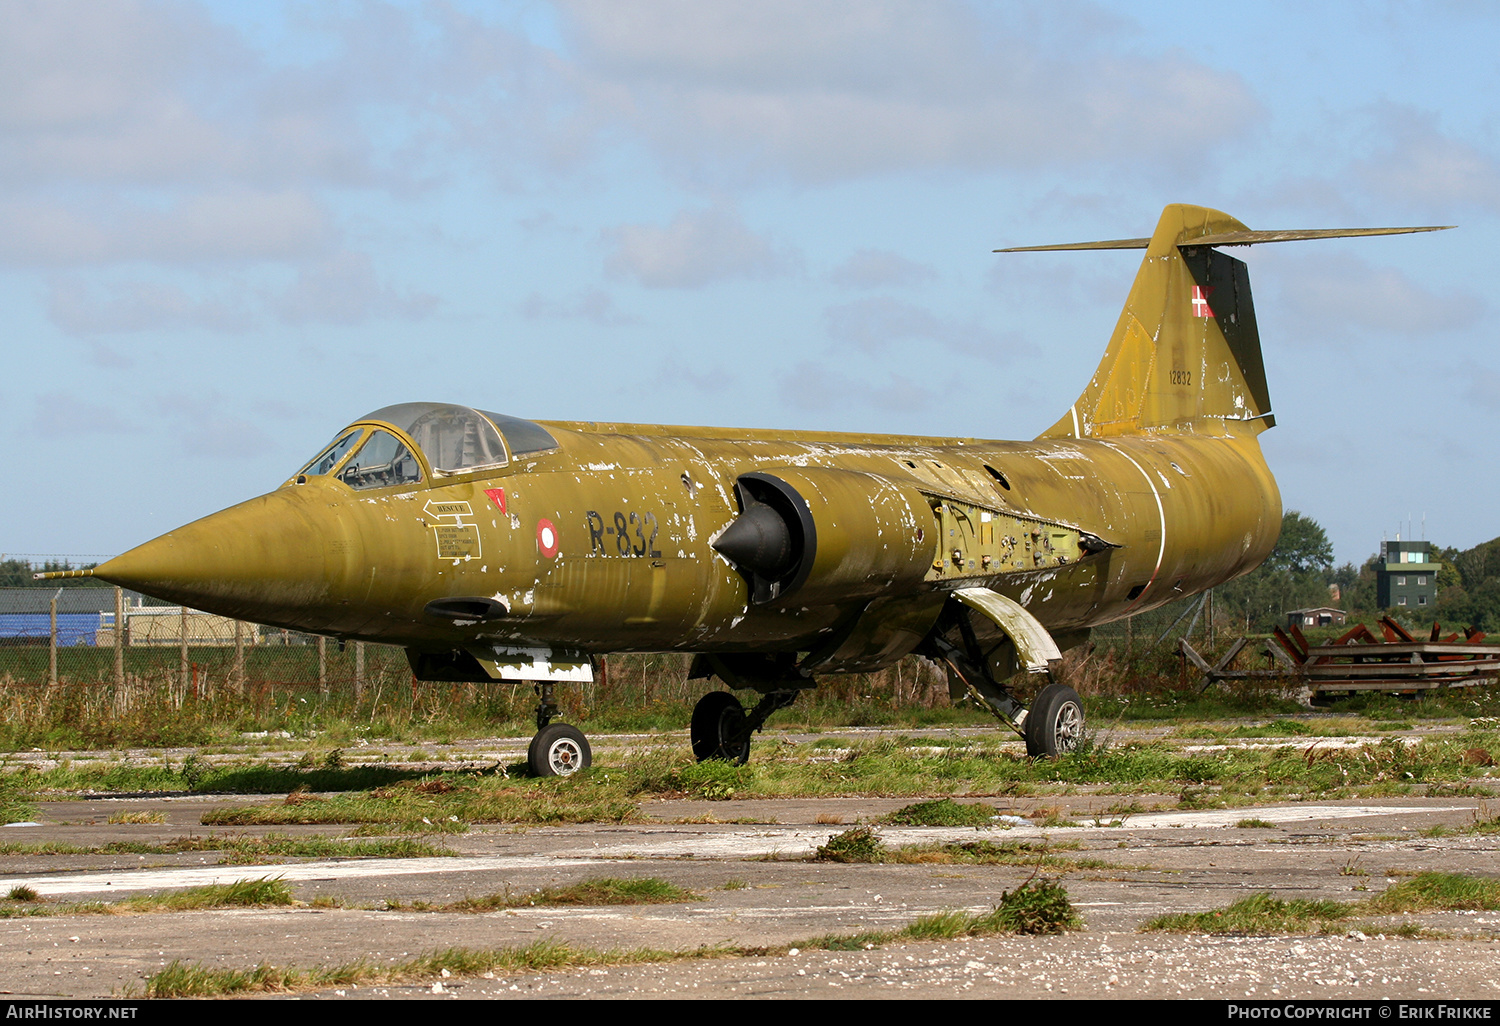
604, 543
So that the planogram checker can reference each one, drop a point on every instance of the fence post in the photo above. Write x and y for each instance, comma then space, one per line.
52, 642
183, 635
359, 670
322, 665
239, 657
119, 640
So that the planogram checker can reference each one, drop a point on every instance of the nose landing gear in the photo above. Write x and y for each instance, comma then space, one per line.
557, 749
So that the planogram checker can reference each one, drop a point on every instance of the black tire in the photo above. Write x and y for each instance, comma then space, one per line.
717, 717
1054, 724
558, 750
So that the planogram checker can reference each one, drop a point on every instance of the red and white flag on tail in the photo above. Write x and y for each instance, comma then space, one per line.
1200, 301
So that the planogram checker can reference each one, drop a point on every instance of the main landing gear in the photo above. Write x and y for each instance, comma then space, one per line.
558, 749
1054, 723
721, 728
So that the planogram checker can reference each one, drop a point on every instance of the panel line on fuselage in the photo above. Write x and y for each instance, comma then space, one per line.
1161, 515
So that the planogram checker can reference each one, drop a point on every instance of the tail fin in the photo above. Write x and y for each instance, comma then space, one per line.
1185, 355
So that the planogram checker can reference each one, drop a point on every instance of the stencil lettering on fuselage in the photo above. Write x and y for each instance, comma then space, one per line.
456, 540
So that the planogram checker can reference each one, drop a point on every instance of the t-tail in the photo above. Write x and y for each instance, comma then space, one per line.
1185, 356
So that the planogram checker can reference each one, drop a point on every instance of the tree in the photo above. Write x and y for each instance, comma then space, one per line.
1303, 546
1294, 576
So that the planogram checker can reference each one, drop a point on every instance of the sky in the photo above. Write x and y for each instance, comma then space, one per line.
228, 229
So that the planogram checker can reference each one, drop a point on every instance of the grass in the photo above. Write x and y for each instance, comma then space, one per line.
1263, 914
237, 847
943, 812
138, 817
258, 893
1036, 907
992, 853
858, 845
887, 767
596, 891
1431, 892
1257, 914
863, 844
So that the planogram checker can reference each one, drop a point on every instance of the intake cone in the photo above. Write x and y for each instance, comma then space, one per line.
758, 541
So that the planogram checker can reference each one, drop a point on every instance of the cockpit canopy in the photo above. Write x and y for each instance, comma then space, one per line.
454, 440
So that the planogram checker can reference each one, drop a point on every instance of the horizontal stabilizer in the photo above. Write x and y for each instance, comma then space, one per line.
1236, 238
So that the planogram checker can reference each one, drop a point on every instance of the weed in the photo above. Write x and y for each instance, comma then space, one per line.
1261, 913
137, 817
193, 771
1257, 914
21, 892
1036, 907
242, 893
1428, 892
943, 812
734, 885
1255, 824
259, 892
610, 891
860, 844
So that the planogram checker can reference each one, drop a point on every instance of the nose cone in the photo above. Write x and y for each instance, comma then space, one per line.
264, 560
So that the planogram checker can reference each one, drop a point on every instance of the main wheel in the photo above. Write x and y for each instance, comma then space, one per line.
558, 750
717, 718
1054, 725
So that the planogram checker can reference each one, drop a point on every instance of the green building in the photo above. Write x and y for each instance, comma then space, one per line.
1407, 575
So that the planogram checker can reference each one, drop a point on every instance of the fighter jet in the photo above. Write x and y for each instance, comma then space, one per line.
498, 549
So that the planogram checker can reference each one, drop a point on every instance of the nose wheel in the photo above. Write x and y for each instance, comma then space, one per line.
557, 749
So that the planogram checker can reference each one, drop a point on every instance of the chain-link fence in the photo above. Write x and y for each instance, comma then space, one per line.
110, 636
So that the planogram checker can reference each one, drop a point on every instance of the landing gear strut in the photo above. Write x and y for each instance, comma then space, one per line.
721, 728
1053, 725
558, 749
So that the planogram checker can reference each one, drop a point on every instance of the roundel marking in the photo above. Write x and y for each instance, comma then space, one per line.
546, 537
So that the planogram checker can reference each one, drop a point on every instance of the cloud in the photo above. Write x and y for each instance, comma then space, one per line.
824, 90
232, 225
591, 305
206, 427
61, 414
1336, 295
126, 93
1057, 280
344, 289
135, 306
813, 386
873, 325
880, 269
1425, 168
341, 289
1483, 389
697, 248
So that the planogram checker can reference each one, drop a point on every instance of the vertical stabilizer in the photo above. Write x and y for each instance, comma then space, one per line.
1185, 355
